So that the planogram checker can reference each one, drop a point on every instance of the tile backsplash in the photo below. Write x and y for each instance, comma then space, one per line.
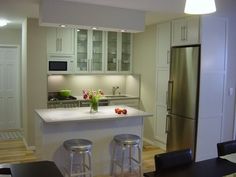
128, 84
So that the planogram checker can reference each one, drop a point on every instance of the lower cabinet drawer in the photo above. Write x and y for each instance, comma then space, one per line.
134, 103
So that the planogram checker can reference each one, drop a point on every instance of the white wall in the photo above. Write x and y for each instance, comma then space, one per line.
127, 84
144, 63
10, 36
34, 74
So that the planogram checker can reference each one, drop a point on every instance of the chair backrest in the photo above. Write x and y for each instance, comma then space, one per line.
173, 159
227, 147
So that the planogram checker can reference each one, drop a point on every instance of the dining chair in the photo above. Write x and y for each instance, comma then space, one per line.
227, 147
173, 159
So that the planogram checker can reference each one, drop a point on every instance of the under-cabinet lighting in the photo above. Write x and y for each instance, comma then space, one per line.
123, 31
200, 6
3, 22
94, 28
63, 26
78, 29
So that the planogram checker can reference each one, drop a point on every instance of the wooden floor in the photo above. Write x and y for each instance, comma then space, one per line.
14, 151
148, 157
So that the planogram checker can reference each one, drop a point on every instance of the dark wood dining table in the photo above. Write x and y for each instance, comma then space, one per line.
32, 169
215, 167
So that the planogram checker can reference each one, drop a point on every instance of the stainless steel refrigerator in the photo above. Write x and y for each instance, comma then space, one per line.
182, 103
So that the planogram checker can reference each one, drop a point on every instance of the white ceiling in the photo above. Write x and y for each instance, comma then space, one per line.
157, 10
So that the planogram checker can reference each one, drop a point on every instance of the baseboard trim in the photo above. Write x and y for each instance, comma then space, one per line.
155, 143
30, 148
148, 141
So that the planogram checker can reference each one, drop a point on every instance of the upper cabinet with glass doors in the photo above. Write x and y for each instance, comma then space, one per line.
118, 58
125, 65
90, 51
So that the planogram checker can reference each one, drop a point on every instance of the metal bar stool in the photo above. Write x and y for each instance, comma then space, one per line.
80, 148
124, 142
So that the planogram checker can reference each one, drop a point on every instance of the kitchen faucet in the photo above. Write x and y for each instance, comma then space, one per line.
114, 90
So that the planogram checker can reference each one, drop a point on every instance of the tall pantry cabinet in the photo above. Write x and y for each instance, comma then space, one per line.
211, 34
162, 77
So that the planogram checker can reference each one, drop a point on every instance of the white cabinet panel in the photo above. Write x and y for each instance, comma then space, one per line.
185, 31
213, 44
209, 132
163, 44
60, 41
211, 95
162, 86
160, 133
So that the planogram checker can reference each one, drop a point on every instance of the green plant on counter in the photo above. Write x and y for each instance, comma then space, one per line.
93, 96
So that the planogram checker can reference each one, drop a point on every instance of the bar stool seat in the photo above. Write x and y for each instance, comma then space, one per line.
130, 142
127, 139
77, 145
80, 148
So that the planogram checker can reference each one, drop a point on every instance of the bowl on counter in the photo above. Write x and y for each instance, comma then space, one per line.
65, 92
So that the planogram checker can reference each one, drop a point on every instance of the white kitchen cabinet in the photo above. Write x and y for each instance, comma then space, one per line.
162, 77
60, 41
185, 31
90, 51
163, 44
134, 103
118, 52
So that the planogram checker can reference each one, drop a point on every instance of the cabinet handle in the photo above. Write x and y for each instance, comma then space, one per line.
118, 65
61, 44
186, 33
167, 123
170, 93
182, 33
91, 66
168, 56
57, 44
166, 97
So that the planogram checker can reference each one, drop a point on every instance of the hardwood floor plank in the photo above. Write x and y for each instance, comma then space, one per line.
14, 151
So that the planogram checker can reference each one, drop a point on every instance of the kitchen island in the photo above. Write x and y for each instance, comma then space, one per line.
54, 126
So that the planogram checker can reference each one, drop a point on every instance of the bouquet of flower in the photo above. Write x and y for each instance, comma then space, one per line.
93, 97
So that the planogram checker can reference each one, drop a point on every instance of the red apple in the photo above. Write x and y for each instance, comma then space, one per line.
124, 111
119, 111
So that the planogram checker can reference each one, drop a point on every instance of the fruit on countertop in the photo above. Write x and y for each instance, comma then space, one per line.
120, 111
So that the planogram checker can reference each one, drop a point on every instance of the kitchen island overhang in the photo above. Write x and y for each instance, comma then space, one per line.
54, 126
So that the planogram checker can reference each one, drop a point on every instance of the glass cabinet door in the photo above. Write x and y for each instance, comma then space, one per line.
82, 50
126, 52
97, 51
112, 62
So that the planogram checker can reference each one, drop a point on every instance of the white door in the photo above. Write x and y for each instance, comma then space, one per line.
9, 87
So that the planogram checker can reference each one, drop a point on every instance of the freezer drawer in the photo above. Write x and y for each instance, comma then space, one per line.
180, 133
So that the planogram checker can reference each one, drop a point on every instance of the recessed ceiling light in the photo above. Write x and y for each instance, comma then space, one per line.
3, 22
63, 26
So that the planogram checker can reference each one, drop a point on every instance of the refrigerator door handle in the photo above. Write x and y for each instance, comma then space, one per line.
167, 123
170, 93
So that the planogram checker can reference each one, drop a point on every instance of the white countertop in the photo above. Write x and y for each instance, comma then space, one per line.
83, 114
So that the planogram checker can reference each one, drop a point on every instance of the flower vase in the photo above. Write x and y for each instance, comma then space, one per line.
94, 106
